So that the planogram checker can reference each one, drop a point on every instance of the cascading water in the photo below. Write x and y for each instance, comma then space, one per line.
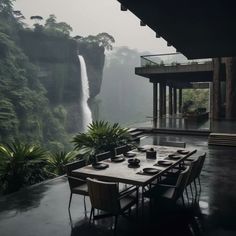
87, 115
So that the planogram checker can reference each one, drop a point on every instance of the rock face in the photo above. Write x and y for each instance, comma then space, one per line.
59, 70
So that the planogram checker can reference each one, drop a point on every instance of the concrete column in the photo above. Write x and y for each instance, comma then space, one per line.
164, 98
230, 88
216, 89
154, 105
175, 101
160, 100
170, 101
180, 100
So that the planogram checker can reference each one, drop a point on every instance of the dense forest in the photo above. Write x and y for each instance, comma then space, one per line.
40, 85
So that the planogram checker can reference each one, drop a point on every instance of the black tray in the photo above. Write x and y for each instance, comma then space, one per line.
181, 151
174, 156
150, 171
164, 163
129, 154
100, 166
117, 159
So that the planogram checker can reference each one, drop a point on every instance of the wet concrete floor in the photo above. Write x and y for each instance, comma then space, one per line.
42, 209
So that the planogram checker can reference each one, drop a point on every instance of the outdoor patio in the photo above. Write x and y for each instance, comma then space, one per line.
43, 209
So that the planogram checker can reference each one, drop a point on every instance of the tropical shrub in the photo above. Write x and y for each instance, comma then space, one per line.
101, 137
21, 165
56, 161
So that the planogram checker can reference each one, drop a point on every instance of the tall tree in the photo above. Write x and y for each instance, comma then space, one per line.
52, 25
102, 40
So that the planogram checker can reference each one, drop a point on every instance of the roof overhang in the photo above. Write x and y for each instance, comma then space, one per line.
198, 29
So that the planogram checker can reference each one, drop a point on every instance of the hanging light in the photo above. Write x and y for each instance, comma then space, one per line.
123, 8
158, 35
142, 23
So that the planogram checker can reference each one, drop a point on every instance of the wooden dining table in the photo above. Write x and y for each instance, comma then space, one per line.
122, 173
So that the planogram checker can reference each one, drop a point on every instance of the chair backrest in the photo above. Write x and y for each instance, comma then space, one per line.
172, 144
201, 163
104, 195
103, 156
181, 183
73, 166
74, 181
193, 169
122, 149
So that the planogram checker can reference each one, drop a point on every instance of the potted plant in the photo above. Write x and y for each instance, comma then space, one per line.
100, 137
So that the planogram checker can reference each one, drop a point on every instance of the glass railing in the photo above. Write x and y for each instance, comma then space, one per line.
173, 122
171, 59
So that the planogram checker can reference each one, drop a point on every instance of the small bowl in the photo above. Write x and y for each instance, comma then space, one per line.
134, 161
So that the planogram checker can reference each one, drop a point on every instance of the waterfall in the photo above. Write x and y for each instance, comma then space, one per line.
86, 112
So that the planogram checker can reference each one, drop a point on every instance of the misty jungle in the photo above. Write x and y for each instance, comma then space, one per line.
40, 94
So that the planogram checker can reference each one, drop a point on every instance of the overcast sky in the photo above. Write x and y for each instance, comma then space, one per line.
95, 16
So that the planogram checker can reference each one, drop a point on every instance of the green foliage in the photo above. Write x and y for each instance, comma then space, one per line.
101, 137
57, 28
102, 40
195, 98
20, 165
6, 8
57, 161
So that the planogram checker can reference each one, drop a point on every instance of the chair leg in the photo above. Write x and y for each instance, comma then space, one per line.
186, 192
182, 197
85, 209
191, 190
195, 185
91, 215
199, 181
137, 203
70, 200
116, 220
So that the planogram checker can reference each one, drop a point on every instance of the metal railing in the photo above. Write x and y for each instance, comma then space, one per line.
171, 59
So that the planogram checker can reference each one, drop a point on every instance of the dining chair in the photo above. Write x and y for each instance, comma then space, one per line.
122, 149
172, 144
199, 170
106, 198
103, 156
170, 193
195, 165
77, 185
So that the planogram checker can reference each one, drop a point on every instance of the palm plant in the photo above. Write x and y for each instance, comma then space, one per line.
57, 161
101, 137
20, 164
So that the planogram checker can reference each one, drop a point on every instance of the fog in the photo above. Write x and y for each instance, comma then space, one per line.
94, 16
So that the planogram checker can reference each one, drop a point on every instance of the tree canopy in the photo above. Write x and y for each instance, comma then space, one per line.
102, 40
52, 25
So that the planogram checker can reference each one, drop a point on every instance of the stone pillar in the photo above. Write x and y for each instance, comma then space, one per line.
180, 100
170, 101
216, 94
230, 111
160, 100
154, 105
175, 101
164, 98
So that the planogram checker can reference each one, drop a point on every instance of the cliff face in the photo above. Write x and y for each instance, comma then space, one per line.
45, 51
59, 70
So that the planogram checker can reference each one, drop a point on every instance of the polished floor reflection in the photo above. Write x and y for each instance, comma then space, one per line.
42, 209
